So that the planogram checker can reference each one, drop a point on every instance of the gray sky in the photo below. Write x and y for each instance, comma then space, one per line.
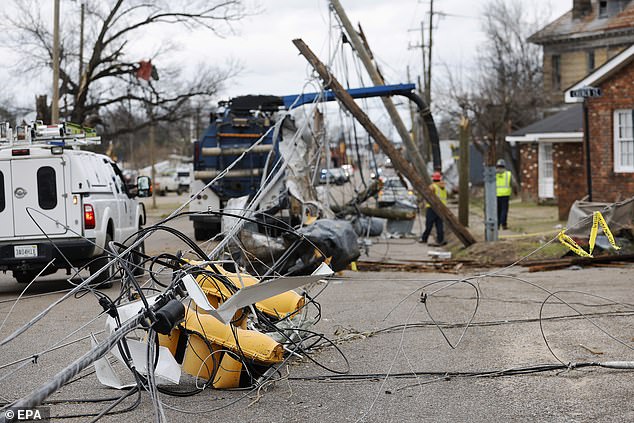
262, 43
271, 65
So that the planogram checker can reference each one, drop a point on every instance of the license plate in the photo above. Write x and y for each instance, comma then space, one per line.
21, 251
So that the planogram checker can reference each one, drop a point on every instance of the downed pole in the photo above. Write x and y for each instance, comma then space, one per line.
554, 264
400, 164
435, 266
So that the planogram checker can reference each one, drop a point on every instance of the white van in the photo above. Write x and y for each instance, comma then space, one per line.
58, 203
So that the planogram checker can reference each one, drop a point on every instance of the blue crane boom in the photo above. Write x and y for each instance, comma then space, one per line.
407, 90
292, 101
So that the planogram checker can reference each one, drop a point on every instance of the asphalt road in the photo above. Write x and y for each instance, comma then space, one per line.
438, 377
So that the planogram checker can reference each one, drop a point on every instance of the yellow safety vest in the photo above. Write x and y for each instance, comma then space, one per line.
503, 183
440, 193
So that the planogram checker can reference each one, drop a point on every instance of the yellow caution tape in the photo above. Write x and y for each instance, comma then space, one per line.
566, 241
597, 218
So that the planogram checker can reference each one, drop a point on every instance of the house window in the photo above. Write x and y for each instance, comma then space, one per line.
603, 9
590, 61
623, 141
556, 71
46, 188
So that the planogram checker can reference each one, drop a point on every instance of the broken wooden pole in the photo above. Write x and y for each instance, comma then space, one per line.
463, 173
382, 212
399, 162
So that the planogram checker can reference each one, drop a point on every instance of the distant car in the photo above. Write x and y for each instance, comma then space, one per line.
334, 175
394, 191
184, 180
169, 181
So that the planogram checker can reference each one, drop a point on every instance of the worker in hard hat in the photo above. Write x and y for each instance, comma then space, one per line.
503, 192
431, 217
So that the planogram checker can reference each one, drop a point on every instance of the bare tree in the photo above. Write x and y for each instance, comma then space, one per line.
506, 92
109, 77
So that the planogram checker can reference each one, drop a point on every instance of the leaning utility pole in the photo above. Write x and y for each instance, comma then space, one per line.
364, 55
402, 165
55, 101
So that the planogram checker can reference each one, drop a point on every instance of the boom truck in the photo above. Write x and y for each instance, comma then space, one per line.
234, 129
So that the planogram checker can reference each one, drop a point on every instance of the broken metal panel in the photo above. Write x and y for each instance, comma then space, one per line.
618, 216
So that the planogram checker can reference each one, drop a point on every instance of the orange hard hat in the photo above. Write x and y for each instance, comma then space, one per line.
436, 176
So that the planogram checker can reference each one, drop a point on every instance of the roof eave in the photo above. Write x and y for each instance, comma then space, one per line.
546, 137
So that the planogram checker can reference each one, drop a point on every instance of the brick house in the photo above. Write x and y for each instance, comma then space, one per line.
611, 128
582, 42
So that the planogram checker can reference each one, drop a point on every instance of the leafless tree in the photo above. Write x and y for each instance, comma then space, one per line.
108, 79
506, 92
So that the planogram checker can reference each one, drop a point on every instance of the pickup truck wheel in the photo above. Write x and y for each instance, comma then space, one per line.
104, 280
24, 276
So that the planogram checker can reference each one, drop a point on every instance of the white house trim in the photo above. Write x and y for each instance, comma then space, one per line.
547, 137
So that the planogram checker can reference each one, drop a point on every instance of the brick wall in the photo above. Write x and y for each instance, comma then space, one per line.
569, 175
528, 171
618, 93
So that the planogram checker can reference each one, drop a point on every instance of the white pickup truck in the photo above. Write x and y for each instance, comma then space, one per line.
59, 204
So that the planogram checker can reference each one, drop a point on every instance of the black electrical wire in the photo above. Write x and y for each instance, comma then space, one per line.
108, 410
176, 263
449, 374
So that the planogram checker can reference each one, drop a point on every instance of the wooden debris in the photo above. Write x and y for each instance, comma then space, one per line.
614, 260
438, 266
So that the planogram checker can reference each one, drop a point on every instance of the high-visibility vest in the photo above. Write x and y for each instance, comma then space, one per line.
503, 184
441, 192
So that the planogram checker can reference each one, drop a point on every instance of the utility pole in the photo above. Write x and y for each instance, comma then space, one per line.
405, 167
152, 158
421, 46
364, 55
463, 173
490, 194
428, 77
81, 42
55, 101
413, 116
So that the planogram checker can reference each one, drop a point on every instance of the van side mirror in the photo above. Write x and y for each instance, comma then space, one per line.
144, 186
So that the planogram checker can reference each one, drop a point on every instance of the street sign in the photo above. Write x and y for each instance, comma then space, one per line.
586, 92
